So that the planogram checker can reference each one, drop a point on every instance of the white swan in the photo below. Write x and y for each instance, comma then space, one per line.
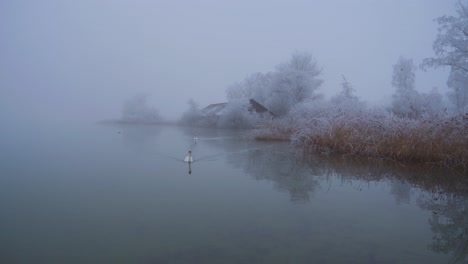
189, 158
195, 140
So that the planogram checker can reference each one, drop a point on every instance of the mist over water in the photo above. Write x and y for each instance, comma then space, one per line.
121, 193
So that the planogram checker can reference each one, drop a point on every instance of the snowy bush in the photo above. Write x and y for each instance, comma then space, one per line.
458, 84
193, 115
237, 115
136, 110
406, 101
292, 82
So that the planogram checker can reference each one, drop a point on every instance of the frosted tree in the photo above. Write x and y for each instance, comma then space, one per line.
404, 74
137, 110
405, 100
451, 43
193, 114
348, 90
431, 103
255, 86
291, 83
451, 49
458, 84
294, 82
237, 115
346, 95
238, 91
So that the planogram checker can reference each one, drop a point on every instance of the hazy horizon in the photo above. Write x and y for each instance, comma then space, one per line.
83, 59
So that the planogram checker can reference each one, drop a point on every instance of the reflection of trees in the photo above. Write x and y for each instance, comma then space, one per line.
287, 172
263, 161
444, 192
441, 191
401, 190
449, 223
300, 174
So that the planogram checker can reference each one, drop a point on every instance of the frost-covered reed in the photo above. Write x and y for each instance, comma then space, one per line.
439, 139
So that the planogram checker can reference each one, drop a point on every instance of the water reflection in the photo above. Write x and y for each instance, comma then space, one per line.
401, 190
264, 162
288, 173
442, 192
439, 191
449, 224
300, 175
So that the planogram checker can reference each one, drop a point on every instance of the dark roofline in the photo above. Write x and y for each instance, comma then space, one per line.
213, 105
254, 106
259, 108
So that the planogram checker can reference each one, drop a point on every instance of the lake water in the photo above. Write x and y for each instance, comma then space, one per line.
121, 194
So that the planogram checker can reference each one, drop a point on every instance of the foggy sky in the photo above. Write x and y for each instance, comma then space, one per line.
83, 59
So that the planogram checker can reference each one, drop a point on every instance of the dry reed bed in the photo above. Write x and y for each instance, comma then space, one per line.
274, 130
433, 179
439, 140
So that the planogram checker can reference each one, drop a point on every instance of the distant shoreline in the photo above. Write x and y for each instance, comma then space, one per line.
129, 122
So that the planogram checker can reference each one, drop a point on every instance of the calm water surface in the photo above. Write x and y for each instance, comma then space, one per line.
121, 194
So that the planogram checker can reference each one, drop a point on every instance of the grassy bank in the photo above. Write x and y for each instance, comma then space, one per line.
438, 140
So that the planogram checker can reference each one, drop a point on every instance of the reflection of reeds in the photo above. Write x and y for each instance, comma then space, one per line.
428, 178
274, 131
301, 173
442, 141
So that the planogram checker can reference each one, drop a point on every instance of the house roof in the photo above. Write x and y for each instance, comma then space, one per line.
214, 109
254, 105
259, 108
218, 109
